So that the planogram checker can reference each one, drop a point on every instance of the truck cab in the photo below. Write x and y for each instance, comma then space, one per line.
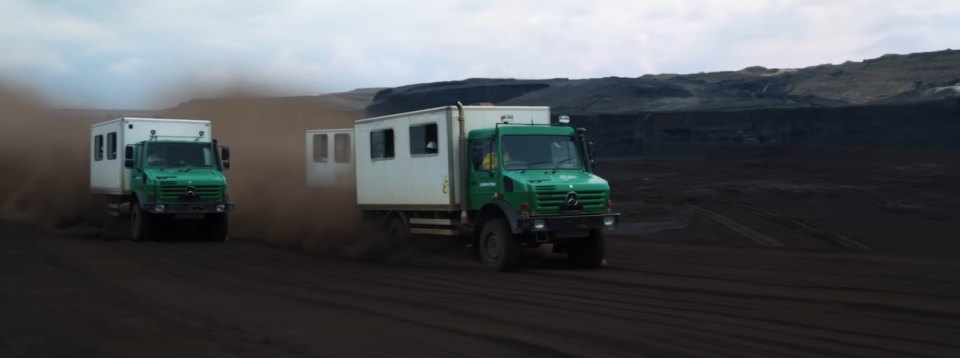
536, 182
178, 179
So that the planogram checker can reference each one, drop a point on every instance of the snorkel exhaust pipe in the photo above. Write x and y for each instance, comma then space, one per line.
463, 166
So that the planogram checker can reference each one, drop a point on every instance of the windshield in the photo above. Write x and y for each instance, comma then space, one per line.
178, 154
522, 152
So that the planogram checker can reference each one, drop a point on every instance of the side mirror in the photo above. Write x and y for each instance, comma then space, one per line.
128, 157
592, 153
225, 157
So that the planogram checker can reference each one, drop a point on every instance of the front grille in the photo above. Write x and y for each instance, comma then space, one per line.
177, 193
554, 202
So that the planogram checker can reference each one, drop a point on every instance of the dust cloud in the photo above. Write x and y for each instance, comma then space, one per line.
43, 170
267, 175
44, 180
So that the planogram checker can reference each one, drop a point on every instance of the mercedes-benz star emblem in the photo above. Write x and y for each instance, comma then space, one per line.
191, 192
572, 199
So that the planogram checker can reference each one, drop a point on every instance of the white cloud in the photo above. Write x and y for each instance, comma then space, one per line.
21, 59
312, 46
127, 66
44, 39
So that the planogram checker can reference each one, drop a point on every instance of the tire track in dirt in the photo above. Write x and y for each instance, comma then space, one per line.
618, 315
239, 294
743, 230
765, 315
257, 279
461, 313
121, 306
846, 267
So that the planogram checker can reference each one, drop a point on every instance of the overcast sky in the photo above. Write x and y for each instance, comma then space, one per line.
151, 54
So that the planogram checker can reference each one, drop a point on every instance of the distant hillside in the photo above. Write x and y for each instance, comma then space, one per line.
352, 103
892, 101
891, 79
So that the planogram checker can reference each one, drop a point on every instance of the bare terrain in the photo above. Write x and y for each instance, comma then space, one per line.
769, 276
73, 297
897, 201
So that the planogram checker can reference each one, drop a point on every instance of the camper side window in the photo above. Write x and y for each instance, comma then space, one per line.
381, 144
423, 139
112, 145
341, 148
98, 147
320, 151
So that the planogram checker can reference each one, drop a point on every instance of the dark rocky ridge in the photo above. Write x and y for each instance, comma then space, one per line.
895, 100
352, 103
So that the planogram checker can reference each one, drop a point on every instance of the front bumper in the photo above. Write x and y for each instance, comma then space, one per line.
569, 223
188, 208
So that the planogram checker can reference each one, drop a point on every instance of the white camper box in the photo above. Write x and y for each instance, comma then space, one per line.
395, 170
108, 139
330, 158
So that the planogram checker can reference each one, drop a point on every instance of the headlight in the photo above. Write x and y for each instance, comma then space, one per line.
539, 224
609, 220
160, 208
221, 207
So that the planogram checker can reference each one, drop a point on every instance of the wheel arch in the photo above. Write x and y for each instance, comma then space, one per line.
139, 196
492, 210
388, 215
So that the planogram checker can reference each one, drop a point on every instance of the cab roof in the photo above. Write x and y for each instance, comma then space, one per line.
521, 129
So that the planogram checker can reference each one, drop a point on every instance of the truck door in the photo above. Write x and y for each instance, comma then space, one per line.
484, 173
136, 165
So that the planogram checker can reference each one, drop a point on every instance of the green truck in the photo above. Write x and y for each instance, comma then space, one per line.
503, 178
169, 170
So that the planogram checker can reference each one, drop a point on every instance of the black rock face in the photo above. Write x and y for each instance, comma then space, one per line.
933, 124
895, 100
430, 95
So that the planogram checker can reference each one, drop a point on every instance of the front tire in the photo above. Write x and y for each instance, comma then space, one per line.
141, 223
589, 252
498, 248
214, 228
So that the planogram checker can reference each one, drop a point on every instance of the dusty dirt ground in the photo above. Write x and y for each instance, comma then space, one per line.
894, 201
717, 257
71, 297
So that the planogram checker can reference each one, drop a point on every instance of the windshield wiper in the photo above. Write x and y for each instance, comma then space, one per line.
183, 167
529, 165
561, 162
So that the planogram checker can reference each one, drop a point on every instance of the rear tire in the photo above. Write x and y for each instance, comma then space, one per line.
141, 223
214, 228
397, 230
589, 252
498, 248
